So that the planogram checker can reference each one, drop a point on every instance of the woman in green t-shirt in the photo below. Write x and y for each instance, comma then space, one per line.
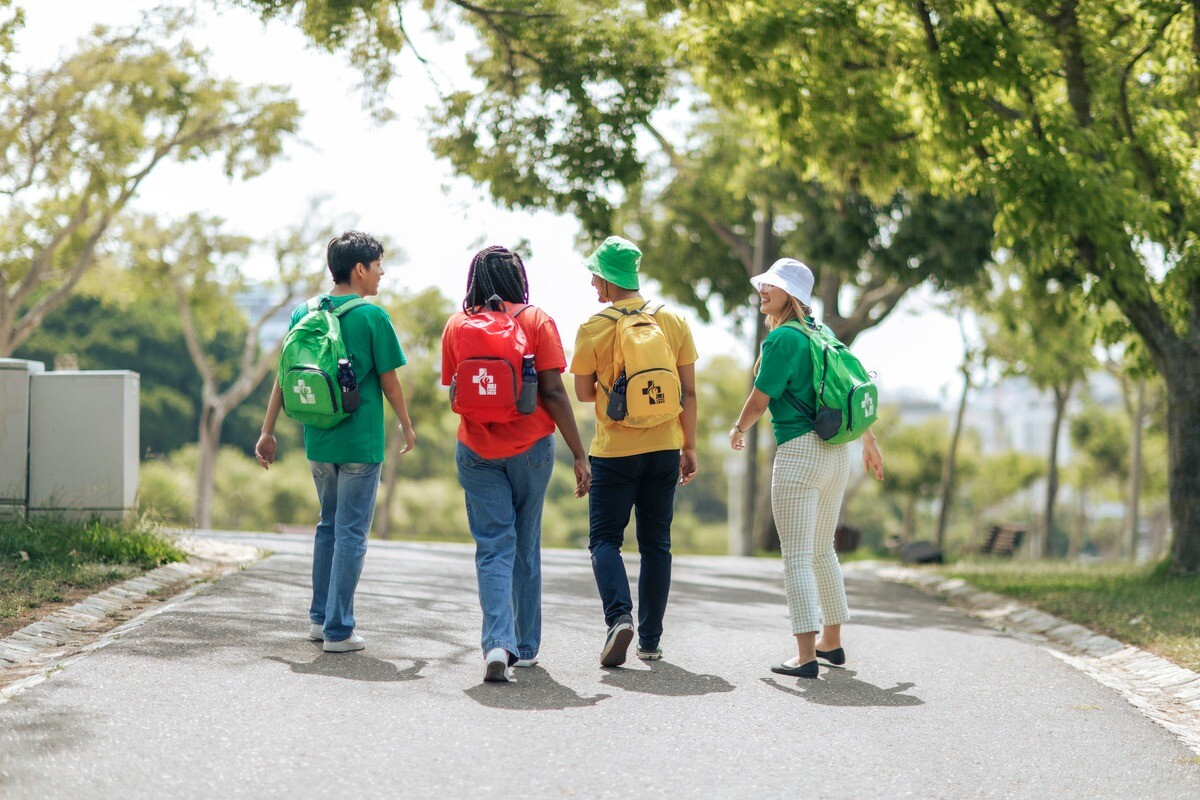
809, 476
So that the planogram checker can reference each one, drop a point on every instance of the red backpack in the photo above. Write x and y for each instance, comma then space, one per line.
487, 384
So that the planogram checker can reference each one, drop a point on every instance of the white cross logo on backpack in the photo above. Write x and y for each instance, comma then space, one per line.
307, 398
485, 381
868, 405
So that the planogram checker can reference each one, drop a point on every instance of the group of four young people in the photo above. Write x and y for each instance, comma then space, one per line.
504, 467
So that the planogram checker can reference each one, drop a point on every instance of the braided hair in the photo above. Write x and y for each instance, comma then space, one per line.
498, 271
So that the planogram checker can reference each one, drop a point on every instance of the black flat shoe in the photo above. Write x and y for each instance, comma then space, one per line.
808, 670
835, 657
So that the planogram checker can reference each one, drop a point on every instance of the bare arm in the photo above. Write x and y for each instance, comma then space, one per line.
585, 388
872, 458
264, 450
687, 457
752, 411
390, 383
558, 405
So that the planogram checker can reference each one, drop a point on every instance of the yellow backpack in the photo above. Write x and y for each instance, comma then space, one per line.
646, 391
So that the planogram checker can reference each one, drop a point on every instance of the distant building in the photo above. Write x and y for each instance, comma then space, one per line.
256, 301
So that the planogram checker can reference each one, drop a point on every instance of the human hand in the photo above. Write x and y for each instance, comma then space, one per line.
583, 476
872, 459
687, 466
264, 450
410, 439
737, 439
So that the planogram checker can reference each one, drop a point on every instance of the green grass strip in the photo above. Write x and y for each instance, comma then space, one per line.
43, 560
1140, 605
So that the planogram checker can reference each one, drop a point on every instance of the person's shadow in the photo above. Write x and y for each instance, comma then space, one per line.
667, 680
531, 690
354, 667
840, 688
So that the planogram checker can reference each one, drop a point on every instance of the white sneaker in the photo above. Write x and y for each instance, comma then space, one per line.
526, 662
355, 642
316, 632
496, 666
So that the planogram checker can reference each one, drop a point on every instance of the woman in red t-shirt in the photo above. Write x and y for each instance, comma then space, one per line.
504, 467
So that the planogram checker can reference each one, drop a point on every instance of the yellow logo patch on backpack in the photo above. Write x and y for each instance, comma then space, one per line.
646, 391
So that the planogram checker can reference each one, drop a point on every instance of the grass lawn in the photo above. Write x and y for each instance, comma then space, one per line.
52, 561
1139, 605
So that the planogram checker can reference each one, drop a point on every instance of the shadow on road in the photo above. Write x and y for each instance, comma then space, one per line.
354, 667
667, 680
841, 688
533, 690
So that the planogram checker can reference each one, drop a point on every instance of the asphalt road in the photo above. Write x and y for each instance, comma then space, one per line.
223, 696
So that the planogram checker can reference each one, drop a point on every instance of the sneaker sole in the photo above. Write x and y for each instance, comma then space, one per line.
644, 656
615, 651
343, 647
497, 672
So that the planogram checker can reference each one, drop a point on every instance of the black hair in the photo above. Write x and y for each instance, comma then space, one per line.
345, 252
496, 271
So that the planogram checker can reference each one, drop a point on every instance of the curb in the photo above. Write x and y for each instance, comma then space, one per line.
34, 652
1161, 690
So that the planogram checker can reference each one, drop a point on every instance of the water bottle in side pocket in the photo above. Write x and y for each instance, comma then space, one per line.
618, 408
527, 400
348, 383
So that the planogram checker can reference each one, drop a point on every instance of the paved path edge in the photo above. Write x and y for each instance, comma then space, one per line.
35, 652
1161, 690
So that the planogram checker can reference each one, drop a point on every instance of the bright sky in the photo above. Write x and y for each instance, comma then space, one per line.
386, 178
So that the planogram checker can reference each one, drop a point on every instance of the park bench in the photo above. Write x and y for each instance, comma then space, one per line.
1003, 540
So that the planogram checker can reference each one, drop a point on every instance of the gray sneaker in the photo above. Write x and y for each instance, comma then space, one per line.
316, 632
355, 642
646, 654
616, 644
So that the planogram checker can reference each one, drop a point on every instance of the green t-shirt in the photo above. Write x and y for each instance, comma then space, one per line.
373, 348
787, 364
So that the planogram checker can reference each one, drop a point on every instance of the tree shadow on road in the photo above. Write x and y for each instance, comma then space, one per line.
532, 690
841, 688
354, 667
667, 680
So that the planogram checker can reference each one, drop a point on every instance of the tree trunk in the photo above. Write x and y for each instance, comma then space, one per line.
212, 418
751, 477
391, 475
766, 535
910, 518
1183, 431
1134, 491
1061, 395
946, 491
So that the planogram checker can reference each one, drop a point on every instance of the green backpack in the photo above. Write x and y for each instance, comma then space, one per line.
308, 364
847, 398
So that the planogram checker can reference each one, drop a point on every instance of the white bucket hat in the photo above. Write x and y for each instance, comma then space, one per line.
790, 275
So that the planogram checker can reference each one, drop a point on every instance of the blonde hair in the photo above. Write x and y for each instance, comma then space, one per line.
795, 310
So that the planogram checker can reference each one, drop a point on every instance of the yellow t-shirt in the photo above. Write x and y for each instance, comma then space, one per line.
594, 355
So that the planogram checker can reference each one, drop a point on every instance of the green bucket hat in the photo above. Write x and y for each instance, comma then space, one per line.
616, 260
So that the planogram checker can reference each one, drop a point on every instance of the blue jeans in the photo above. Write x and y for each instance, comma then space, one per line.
504, 510
646, 482
347, 495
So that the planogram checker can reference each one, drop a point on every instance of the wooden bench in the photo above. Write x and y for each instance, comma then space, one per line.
1003, 540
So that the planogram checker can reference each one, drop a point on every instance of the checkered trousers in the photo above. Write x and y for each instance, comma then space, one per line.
807, 485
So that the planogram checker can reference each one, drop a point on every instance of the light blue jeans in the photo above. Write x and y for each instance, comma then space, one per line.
504, 510
347, 495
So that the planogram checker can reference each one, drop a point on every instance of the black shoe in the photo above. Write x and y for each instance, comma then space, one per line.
835, 657
617, 642
808, 670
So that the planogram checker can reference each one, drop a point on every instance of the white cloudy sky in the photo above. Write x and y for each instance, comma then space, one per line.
385, 176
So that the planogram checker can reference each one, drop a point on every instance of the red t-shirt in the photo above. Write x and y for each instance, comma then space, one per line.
495, 440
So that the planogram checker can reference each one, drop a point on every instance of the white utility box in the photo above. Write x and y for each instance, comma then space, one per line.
84, 443
15, 375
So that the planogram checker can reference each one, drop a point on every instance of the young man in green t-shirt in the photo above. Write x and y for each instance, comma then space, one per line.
346, 458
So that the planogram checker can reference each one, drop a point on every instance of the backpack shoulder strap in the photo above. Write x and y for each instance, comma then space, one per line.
521, 308
349, 305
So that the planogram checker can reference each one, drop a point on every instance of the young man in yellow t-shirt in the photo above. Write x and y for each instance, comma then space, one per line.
632, 467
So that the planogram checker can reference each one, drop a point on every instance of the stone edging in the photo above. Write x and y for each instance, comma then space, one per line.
33, 652
1163, 691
